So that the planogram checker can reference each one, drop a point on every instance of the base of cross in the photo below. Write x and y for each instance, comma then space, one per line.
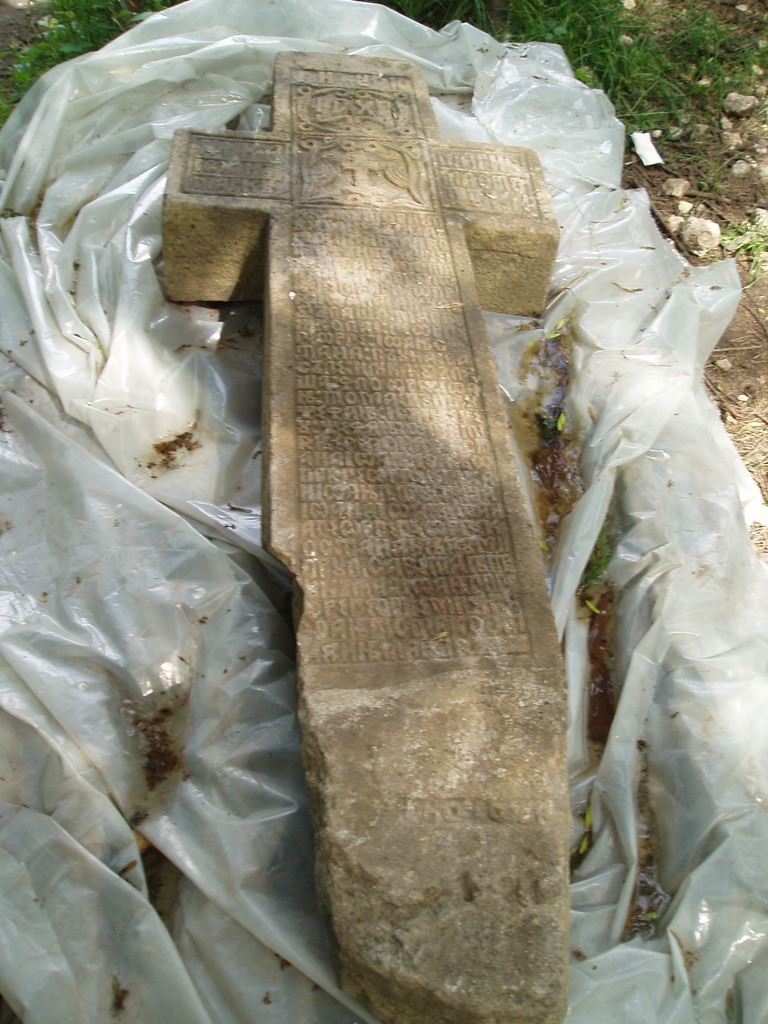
431, 690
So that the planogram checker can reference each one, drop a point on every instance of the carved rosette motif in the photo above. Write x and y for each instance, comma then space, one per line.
371, 172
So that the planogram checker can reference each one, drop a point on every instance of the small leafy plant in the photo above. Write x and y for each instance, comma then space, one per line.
750, 241
599, 560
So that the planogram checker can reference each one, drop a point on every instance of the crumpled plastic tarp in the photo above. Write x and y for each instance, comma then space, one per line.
146, 662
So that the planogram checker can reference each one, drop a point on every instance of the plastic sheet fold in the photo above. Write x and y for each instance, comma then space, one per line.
147, 679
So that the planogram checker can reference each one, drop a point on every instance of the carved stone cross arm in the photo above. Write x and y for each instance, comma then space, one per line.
431, 691
377, 147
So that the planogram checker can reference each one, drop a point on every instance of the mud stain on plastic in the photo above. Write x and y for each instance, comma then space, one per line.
162, 877
168, 450
157, 727
553, 455
543, 435
601, 696
650, 899
161, 758
119, 996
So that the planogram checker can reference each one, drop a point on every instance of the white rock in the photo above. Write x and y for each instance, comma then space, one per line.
761, 217
629, 5
700, 235
684, 207
732, 140
738, 104
724, 364
676, 187
726, 123
626, 41
674, 223
762, 170
741, 169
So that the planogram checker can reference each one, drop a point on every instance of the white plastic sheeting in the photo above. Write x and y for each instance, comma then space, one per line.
146, 671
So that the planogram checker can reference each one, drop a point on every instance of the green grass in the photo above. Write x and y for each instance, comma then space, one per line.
750, 241
611, 49
437, 13
66, 29
659, 65
662, 66
599, 560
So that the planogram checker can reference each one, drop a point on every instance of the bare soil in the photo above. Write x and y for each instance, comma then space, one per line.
707, 156
16, 27
721, 155
736, 375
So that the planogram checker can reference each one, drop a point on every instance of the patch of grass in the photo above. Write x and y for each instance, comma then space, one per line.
609, 48
749, 240
657, 63
438, 13
67, 29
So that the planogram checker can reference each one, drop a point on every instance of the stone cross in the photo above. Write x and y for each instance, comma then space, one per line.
432, 699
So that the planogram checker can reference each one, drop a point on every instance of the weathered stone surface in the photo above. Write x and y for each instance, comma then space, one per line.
701, 235
222, 189
432, 698
732, 141
676, 187
738, 104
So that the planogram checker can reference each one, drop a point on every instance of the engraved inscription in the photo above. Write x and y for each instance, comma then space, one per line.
399, 504
224, 165
390, 426
488, 181
431, 697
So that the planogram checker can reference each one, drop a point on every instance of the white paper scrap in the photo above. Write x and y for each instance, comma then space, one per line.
645, 149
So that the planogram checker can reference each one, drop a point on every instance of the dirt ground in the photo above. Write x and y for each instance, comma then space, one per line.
15, 27
722, 156
708, 155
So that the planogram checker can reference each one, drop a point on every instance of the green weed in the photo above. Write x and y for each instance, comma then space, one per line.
659, 65
67, 29
438, 13
599, 560
750, 241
